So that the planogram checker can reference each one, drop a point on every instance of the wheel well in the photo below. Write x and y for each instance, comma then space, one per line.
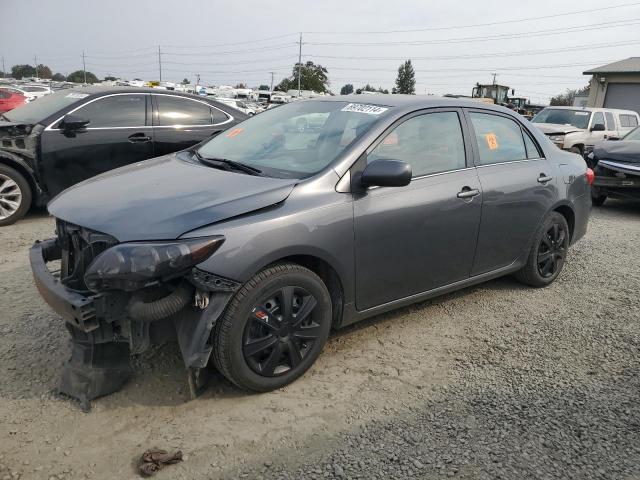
25, 173
569, 216
330, 278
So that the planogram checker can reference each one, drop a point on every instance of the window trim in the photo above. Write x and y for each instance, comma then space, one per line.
523, 130
155, 114
468, 160
51, 127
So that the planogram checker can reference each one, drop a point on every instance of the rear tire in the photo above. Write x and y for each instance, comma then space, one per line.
273, 329
15, 195
598, 200
548, 253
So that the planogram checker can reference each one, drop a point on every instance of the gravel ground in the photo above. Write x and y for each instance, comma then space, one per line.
496, 381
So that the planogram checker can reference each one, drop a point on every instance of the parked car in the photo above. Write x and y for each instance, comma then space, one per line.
71, 135
10, 99
32, 92
617, 168
250, 247
579, 129
243, 105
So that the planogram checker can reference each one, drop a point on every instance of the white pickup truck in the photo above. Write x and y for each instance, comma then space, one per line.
578, 129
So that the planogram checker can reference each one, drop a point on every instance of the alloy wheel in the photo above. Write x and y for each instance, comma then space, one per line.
552, 250
10, 196
280, 331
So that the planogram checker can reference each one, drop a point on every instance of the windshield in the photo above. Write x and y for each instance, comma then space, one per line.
38, 110
633, 134
295, 140
576, 118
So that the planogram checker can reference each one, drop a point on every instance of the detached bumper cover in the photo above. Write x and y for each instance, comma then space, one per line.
76, 309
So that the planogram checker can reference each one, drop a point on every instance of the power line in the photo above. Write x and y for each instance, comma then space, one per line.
234, 43
486, 55
452, 27
503, 36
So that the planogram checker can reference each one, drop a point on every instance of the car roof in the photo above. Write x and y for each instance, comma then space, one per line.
592, 109
412, 101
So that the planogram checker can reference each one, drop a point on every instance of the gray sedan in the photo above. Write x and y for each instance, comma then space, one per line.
248, 249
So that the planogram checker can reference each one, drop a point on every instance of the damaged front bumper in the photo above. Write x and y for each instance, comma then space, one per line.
104, 335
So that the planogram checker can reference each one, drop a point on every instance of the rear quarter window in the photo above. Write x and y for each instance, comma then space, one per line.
628, 121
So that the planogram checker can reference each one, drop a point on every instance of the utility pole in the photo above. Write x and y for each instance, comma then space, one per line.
494, 77
271, 89
84, 68
35, 60
4, 72
299, 64
160, 63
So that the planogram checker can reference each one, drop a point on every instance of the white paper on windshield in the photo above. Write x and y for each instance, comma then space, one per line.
583, 113
362, 108
77, 95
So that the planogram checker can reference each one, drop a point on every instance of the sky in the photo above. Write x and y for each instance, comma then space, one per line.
452, 44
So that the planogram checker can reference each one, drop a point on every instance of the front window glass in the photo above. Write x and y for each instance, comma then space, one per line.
115, 111
598, 119
295, 140
560, 116
499, 139
35, 112
430, 143
633, 135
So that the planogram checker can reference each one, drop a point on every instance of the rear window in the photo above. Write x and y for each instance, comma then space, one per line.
42, 108
627, 120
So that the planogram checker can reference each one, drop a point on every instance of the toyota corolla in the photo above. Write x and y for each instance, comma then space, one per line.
248, 249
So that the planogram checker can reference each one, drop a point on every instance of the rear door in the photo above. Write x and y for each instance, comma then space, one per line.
119, 133
180, 122
518, 188
611, 126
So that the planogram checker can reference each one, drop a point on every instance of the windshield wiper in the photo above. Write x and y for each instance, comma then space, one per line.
224, 162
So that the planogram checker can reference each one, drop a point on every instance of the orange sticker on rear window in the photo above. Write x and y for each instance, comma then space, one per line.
492, 141
235, 132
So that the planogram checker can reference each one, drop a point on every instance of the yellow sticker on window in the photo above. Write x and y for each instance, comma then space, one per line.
492, 141
235, 132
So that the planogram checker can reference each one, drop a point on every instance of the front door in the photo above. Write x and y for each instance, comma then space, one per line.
118, 134
518, 189
412, 239
181, 122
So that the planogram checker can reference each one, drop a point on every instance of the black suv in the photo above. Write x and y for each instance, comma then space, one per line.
72, 135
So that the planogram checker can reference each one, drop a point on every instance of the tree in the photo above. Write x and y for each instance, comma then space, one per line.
20, 71
58, 77
185, 81
44, 71
406, 81
566, 99
78, 77
347, 89
312, 77
240, 85
110, 78
263, 87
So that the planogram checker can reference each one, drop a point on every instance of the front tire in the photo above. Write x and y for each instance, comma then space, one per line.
274, 328
548, 253
15, 195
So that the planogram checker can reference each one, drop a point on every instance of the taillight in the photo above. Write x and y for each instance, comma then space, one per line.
590, 176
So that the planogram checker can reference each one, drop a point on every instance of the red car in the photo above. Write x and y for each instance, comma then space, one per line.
10, 100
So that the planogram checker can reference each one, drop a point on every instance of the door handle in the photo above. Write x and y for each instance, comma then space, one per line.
139, 138
468, 192
544, 178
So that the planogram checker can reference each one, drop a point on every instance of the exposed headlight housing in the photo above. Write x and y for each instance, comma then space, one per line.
132, 266
556, 138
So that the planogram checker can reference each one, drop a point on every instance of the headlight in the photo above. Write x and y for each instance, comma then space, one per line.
556, 138
131, 266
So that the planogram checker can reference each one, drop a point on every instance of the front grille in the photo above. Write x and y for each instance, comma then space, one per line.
79, 247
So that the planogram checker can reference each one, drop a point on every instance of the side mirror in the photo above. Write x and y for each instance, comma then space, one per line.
598, 127
613, 139
72, 122
386, 173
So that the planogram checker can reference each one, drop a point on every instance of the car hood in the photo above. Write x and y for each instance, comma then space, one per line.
165, 197
557, 129
619, 150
